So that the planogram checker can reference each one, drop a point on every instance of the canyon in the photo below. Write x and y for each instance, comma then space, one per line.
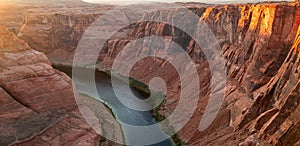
259, 43
38, 104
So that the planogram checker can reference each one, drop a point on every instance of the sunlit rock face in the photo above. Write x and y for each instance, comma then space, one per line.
260, 44
37, 103
277, 103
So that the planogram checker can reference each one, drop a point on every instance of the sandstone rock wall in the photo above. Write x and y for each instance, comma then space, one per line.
11, 16
259, 47
56, 31
37, 103
277, 107
255, 40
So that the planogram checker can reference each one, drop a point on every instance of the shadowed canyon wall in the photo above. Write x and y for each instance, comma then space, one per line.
37, 104
260, 44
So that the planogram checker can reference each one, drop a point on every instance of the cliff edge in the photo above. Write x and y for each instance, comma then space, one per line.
37, 103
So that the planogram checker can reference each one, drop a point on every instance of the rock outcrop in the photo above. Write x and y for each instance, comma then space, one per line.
275, 112
56, 31
37, 102
11, 16
260, 45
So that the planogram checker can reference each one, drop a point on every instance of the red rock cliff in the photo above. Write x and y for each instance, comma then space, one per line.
259, 43
37, 104
56, 31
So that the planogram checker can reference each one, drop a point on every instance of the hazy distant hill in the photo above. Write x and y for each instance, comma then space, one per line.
117, 2
122, 2
42, 2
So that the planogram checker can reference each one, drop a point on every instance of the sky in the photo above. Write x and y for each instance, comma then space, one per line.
203, 1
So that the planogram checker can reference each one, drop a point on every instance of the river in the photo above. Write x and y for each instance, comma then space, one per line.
122, 113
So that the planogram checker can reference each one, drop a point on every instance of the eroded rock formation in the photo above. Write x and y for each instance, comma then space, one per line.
56, 31
37, 103
11, 16
259, 43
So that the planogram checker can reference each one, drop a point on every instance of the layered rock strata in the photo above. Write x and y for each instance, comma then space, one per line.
259, 43
37, 102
